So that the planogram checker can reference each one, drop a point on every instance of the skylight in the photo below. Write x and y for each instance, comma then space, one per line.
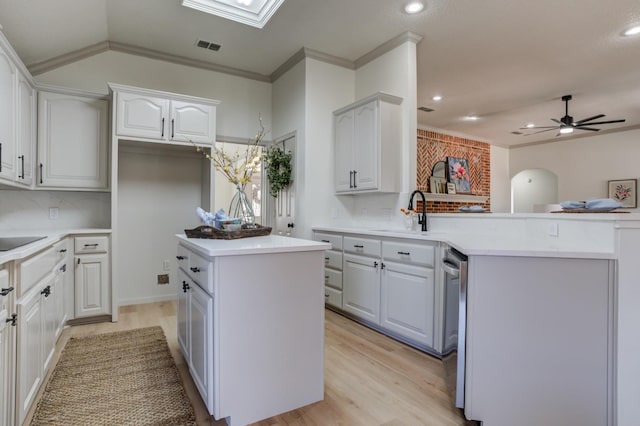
250, 12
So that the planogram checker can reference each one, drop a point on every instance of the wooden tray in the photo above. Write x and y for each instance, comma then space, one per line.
210, 232
589, 211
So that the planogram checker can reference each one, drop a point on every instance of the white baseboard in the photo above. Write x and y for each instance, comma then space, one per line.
149, 299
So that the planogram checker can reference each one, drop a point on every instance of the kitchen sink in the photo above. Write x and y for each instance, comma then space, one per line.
10, 243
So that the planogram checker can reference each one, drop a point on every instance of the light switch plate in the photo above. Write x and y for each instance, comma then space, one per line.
54, 213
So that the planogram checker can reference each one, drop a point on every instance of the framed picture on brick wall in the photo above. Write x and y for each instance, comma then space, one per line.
458, 174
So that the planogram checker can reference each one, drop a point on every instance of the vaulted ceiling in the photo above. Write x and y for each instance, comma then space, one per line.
507, 62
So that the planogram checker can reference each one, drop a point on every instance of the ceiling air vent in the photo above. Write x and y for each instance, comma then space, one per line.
208, 45
425, 109
517, 133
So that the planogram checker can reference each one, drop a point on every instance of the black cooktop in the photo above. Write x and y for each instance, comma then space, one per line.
10, 243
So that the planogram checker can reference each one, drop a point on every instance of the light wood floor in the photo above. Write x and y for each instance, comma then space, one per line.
370, 379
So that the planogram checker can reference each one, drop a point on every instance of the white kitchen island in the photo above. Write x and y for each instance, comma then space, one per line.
251, 323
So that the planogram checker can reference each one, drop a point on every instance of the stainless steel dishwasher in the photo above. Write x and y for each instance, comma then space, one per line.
454, 265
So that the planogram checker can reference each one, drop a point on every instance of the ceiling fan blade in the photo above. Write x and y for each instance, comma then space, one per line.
588, 119
605, 122
587, 128
538, 127
541, 131
557, 121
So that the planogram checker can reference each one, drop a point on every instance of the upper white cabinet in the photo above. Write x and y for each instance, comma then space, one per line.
72, 141
368, 144
163, 117
8, 79
26, 131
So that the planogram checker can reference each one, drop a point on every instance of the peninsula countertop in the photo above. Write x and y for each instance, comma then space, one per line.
252, 245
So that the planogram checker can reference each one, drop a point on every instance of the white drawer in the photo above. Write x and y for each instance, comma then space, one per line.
418, 254
61, 248
35, 269
334, 240
201, 271
333, 259
333, 278
333, 297
363, 246
92, 244
182, 256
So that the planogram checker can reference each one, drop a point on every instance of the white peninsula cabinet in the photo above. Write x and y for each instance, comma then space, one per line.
251, 323
388, 284
163, 117
367, 144
72, 140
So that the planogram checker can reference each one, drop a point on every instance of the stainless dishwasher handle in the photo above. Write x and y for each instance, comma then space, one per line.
450, 268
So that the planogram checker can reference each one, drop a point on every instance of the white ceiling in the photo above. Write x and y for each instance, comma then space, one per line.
507, 61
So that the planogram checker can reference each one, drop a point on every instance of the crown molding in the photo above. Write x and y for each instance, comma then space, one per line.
67, 58
305, 53
386, 47
85, 52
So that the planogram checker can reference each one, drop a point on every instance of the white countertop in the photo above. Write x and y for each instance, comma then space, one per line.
252, 245
484, 245
52, 236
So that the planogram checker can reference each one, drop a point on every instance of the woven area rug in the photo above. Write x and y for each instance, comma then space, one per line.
121, 378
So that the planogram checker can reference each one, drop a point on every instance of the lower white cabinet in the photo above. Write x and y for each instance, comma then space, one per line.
195, 334
92, 286
361, 287
7, 349
407, 293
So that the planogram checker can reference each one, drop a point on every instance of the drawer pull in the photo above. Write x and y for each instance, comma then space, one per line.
326, 258
180, 257
63, 251
6, 291
185, 286
193, 269
91, 245
13, 319
358, 246
46, 291
326, 295
63, 268
406, 253
325, 241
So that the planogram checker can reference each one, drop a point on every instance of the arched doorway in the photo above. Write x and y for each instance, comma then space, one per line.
531, 188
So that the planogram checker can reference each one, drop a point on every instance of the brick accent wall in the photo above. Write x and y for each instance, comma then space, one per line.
433, 147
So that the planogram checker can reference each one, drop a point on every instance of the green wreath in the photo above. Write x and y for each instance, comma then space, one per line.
278, 169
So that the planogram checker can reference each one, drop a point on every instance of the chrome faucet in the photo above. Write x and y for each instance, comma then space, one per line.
423, 219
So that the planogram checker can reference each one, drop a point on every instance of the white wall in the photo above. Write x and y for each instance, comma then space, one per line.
531, 187
583, 165
237, 115
158, 192
500, 180
21, 209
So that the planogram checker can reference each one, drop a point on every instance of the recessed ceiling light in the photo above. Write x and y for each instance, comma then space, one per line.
414, 7
566, 130
471, 117
632, 31
530, 125
437, 98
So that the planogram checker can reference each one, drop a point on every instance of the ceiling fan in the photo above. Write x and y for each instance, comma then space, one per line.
566, 124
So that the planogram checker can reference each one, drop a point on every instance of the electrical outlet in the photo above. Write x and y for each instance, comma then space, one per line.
163, 279
54, 213
334, 213
166, 266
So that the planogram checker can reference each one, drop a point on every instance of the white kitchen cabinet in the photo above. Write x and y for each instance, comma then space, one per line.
29, 371
361, 287
26, 131
91, 280
201, 342
7, 350
367, 145
72, 141
8, 81
407, 301
332, 268
183, 313
51, 318
163, 117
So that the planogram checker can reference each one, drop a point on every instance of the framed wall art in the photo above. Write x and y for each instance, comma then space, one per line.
458, 174
624, 191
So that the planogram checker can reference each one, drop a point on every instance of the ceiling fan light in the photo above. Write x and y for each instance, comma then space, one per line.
530, 125
566, 130
632, 31
414, 7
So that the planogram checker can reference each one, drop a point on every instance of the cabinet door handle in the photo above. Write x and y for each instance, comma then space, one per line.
406, 253
180, 257
21, 157
13, 320
0, 156
40, 173
326, 258
358, 246
91, 245
6, 291
382, 266
162, 134
46, 291
63, 251
375, 265
350, 178
326, 295
355, 185
63, 268
195, 269
172, 127
78, 261
325, 241
185, 286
